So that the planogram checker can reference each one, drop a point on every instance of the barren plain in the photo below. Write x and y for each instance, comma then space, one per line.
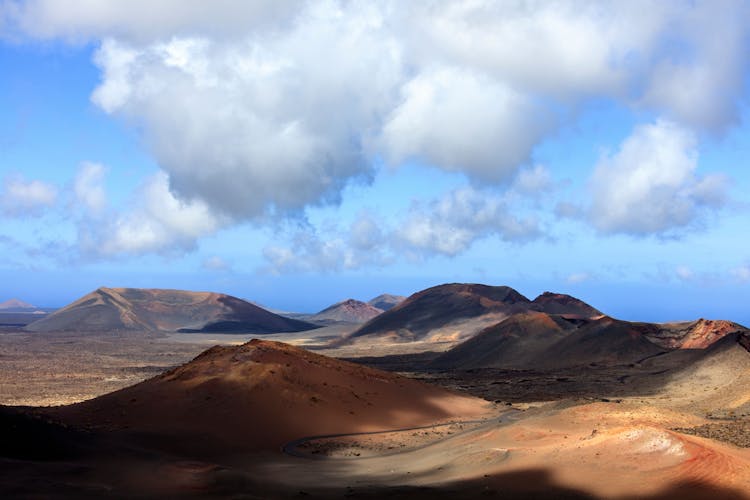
168, 414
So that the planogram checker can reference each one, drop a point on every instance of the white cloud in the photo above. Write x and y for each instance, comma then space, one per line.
451, 224
88, 187
365, 233
255, 115
742, 273
158, 223
462, 121
649, 186
266, 108
575, 278
216, 263
143, 20
363, 243
699, 71
20, 197
533, 181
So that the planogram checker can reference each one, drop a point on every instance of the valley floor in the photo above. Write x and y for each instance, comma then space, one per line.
633, 431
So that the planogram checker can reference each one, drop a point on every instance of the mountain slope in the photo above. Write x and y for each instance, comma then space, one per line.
698, 334
262, 394
558, 303
386, 301
112, 309
438, 307
537, 340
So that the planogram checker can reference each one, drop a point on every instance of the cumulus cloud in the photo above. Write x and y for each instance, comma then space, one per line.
463, 121
649, 186
449, 225
261, 116
158, 223
20, 197
257, 109
235, 95
363, 243
144, 21
699, 69
88, 186
533, 181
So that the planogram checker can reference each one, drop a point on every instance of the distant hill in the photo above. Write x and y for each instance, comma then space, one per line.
386, 301
537, 340
15, 305
349, 310
462, 310
16, 313
262, 394
112, 309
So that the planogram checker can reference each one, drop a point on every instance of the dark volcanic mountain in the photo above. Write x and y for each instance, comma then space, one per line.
386, 301
436, 307
262, 394
461, 310
350, 310
112, 309
558, 303
543, 341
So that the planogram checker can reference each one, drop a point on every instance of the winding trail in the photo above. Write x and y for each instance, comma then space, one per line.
290, 448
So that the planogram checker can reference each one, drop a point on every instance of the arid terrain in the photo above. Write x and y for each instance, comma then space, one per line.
552, 400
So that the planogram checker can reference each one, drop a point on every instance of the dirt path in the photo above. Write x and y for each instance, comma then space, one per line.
291, 448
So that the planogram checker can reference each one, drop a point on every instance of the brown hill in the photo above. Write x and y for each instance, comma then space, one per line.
698, 334
386, 301
437, 307
112, 309
542, 341
350, 310
558, 303
262, 394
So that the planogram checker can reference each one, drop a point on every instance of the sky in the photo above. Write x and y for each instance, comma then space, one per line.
300, 153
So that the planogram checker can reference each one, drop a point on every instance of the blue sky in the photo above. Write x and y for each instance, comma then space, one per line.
297, 154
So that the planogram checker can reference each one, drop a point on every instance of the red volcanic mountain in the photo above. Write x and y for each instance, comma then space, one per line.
465, 308
262, 394
350, 310
698, 334
112, 309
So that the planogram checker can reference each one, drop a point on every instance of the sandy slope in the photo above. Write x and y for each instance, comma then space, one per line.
604, 450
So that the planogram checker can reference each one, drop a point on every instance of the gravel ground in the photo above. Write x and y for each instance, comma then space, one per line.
736, 432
